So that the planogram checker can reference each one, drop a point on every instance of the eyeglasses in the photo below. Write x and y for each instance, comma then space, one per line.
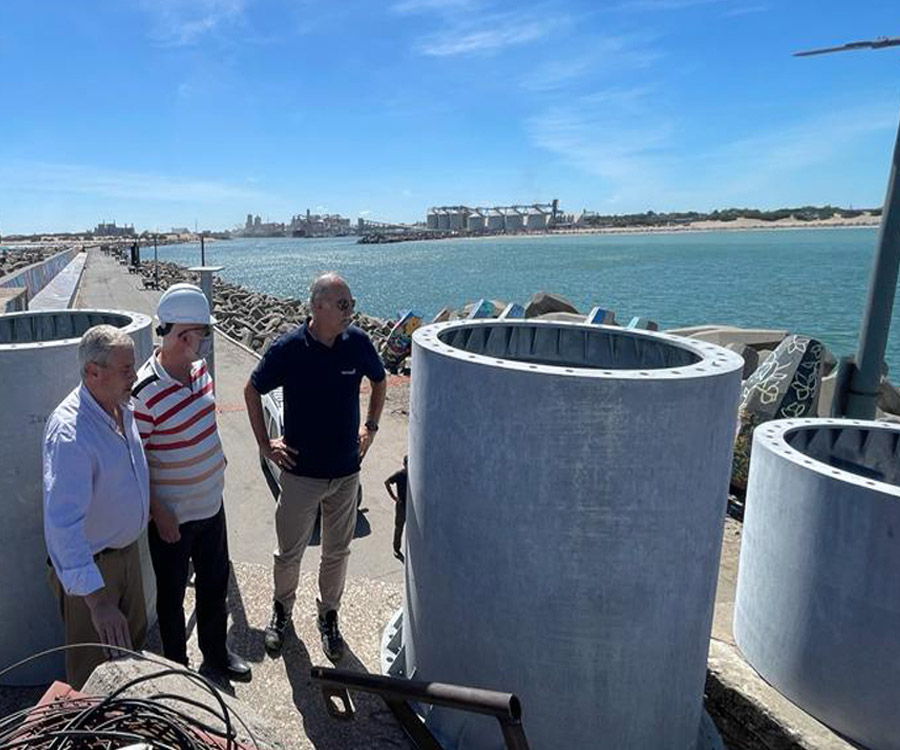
345, 304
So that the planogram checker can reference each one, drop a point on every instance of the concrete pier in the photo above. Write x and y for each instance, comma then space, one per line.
749, 713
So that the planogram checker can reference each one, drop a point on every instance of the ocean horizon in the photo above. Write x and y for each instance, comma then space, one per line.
808, 281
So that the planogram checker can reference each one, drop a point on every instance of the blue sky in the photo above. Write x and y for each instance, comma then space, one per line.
166, 112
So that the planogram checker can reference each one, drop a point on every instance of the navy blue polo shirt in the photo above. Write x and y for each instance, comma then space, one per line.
321, 396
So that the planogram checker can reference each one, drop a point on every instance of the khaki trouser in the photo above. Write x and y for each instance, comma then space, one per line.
295, 519
121, 571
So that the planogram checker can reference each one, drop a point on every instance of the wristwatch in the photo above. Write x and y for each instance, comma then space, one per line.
371, 425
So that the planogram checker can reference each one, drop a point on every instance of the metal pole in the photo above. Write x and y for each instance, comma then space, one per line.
207, 273
864, 382
155, 264
202, 251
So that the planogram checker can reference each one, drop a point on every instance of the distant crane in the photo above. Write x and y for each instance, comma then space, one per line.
856, 391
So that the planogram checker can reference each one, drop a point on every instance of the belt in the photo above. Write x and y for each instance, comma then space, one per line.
105, 552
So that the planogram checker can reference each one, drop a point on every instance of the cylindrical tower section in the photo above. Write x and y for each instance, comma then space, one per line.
38, 368
817, 610
566, 502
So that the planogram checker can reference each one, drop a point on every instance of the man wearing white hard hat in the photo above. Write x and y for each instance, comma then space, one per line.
175, 408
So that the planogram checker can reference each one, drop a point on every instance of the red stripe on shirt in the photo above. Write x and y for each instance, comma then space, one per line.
184, 425
183, 443
144, 417
200, 373
184, 403
162, 394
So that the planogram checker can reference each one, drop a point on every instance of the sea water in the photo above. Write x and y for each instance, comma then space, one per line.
810, 281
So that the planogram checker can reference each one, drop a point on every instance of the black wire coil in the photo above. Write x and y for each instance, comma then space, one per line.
161, 721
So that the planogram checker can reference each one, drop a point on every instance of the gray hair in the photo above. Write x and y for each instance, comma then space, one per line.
97, 343
322, 284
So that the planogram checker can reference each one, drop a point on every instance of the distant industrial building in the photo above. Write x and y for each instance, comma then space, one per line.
537, 217
254, 226
111, 230
320, 225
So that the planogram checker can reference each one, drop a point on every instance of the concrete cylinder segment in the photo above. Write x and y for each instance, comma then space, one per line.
38, 368
818, 604
567, 491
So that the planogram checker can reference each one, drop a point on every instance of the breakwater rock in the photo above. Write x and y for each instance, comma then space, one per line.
253, 318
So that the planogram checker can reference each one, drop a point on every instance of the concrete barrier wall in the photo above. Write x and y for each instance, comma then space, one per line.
35, 277
59, 293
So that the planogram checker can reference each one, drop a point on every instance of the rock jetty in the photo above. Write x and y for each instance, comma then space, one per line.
253, 318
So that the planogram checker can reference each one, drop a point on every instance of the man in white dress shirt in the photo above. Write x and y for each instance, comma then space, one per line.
96, 504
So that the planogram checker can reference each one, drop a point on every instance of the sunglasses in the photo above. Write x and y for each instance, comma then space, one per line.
204, 331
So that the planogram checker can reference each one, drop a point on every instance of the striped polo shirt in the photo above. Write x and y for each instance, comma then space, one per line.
177, 425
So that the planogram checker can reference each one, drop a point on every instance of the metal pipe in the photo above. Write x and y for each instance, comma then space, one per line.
862, 392
155, 264
501, 705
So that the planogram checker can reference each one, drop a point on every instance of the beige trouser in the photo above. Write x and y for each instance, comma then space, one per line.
121, 571
295, 518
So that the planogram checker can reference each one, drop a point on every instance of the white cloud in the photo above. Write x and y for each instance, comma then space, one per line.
625, 138
426, 6
607, 55
746, 10
44, 177
658, 5
184, 22
484, 40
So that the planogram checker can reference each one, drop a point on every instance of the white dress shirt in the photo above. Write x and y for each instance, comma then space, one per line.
96, 488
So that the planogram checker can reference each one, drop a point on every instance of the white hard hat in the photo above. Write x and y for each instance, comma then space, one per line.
184, 303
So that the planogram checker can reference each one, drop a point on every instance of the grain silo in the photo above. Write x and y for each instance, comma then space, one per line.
535, 220
431, 219
458, 216
514, 221
476, 221
495, 220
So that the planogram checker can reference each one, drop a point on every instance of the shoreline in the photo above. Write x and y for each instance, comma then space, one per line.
739, 225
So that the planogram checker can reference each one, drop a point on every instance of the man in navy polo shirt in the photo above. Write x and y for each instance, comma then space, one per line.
320, 366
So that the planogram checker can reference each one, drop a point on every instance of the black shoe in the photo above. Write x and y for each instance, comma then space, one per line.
232, 666
399, 555
274, 637
332, 642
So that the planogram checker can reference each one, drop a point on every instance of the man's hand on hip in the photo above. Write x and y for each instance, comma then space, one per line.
109, 622
279, 452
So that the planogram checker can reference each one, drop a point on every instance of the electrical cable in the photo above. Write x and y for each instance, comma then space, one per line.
104, 723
